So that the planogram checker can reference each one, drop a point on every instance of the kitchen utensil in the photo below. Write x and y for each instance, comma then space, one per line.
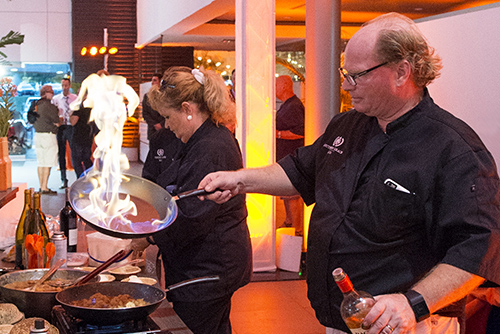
34, 303
151, 200
107, 316
93, 273
47, 275
193, 280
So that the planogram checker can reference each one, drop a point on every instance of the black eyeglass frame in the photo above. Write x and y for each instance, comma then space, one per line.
351, 78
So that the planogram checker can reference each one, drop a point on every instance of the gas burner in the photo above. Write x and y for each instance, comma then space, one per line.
68, 324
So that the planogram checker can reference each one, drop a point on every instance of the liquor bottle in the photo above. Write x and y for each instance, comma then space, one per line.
37, 236
67, 221
25, 216
355, 305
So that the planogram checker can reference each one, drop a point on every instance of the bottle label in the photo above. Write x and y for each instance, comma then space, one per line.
358, 330
72, 237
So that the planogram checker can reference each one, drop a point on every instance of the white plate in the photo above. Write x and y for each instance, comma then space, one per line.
77, 259
126, 270
143, 280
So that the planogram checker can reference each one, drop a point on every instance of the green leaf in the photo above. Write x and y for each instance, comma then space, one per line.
11, 38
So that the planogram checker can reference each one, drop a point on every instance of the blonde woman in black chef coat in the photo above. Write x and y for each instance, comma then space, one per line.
206, 238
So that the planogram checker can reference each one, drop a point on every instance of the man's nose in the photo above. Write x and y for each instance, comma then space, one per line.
347, 86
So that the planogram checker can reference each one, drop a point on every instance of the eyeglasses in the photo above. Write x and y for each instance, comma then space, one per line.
351, 78
164, 86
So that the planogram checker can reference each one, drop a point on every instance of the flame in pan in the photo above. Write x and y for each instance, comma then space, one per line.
105, 94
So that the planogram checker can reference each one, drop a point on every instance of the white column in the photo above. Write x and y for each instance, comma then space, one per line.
255, 100
322, 77
322, 62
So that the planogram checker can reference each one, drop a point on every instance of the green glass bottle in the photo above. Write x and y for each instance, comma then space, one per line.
37, 228
20, 230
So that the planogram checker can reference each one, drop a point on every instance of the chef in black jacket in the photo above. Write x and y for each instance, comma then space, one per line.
206, 238
406, 195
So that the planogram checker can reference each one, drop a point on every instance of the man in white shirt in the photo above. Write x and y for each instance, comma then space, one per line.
65, 131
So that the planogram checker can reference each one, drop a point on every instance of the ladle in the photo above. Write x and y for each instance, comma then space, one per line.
47, 275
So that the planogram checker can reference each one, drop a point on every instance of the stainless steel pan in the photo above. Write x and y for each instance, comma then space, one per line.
156, 208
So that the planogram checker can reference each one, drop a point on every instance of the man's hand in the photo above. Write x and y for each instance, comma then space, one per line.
391, 314
157, 126
137, 246
227, 184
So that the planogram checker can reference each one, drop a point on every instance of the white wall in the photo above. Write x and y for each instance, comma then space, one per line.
46, 25
156, 16
469, 87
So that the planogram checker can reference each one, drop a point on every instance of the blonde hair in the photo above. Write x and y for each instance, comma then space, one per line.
399, 38
180, 85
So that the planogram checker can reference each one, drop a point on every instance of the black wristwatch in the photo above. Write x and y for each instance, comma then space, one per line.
418, 305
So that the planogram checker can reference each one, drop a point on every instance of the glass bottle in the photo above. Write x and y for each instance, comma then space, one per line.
355, 305
20, 229
67, 221
37, 235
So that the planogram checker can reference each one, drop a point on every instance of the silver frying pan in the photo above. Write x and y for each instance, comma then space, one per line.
156, 208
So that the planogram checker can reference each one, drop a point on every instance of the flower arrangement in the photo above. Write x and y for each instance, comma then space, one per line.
7, 93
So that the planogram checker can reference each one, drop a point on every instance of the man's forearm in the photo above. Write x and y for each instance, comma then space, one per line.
446, 284
271, 180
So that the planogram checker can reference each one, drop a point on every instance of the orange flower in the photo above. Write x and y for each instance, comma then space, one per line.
34, 244
50, 250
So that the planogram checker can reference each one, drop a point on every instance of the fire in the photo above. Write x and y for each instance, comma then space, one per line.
105, 95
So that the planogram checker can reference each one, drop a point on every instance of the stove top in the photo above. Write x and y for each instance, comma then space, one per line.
68, 324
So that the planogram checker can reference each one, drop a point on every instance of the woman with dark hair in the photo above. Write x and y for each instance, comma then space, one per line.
206, 238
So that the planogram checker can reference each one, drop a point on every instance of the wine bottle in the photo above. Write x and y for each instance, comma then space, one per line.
355, 305
20, 230
67, 221
37, 236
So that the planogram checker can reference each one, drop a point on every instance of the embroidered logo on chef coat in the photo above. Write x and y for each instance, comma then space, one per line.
334, 147
160, 154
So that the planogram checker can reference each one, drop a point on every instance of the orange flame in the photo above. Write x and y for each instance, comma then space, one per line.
105, 95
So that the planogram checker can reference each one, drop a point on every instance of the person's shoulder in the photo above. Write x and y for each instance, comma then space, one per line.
57, 97
219, 141
450, 125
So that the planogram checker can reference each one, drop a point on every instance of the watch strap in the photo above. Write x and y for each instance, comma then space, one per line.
418, 305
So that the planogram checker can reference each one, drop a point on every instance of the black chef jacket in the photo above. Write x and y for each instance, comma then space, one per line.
163, 148
206, 238
446, 209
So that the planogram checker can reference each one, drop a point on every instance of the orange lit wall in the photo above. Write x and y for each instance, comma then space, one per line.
255, 65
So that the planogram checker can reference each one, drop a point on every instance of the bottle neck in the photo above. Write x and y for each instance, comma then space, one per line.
67, 195
36, 202
345, 285
27, 198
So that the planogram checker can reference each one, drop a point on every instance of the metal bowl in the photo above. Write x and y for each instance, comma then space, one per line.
34, 303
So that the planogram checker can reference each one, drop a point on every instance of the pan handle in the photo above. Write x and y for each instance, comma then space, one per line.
191, 193
193, 280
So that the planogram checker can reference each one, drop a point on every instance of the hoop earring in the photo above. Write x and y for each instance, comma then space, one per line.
189, 117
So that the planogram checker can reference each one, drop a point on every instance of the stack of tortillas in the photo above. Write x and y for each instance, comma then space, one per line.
9, 315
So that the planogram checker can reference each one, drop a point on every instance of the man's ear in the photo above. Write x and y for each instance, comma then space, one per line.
403, 72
